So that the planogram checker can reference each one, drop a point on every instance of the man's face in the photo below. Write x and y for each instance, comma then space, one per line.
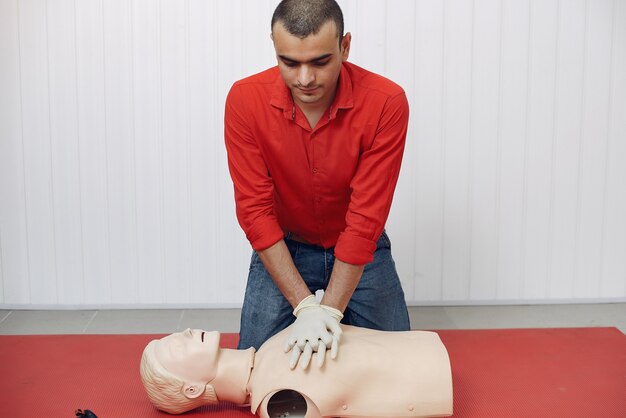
190, 355
311, 66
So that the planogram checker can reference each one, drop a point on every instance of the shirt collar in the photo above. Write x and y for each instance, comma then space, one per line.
281, 96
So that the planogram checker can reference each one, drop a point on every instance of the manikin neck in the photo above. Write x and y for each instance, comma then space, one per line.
233, 373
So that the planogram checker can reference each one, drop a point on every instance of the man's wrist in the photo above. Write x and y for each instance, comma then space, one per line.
305, 303
335, 313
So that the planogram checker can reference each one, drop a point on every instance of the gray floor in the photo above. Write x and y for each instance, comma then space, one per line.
22, 322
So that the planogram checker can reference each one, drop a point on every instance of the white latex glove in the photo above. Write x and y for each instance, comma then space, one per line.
316, 328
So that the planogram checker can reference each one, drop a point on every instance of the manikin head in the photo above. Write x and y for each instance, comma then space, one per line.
176, 370
310, 47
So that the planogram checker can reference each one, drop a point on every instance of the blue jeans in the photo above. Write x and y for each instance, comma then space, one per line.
377, 303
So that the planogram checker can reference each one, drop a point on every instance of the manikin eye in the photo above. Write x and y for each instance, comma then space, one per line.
202, 336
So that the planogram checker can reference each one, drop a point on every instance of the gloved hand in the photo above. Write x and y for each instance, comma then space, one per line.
316, 328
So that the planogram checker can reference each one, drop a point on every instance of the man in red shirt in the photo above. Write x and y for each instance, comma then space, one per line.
314, 151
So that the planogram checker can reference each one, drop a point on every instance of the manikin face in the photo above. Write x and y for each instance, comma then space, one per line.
190, 355
311, 66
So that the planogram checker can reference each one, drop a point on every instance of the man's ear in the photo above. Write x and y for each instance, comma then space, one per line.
345, 46
193, 390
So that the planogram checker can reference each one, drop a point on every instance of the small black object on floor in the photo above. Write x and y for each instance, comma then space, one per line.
85, 414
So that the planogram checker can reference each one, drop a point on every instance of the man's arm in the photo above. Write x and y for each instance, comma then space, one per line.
316, 327
372, 192
343, 280
278, 262
373, 185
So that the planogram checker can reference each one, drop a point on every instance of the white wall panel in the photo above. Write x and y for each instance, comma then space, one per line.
114, 186
425, 156
593, 148
369, 32
149, 158
456, 131
511, 147
120, 151
613, 267
14, 278
176, 148
565, 178
484, 156
401, 68
92, 151
64, 150
205, 114
38, 175
539, 149
233, 253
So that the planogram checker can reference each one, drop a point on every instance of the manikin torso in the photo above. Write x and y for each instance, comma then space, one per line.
376, 374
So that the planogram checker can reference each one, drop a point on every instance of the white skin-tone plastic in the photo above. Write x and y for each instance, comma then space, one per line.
178, 351
377, 374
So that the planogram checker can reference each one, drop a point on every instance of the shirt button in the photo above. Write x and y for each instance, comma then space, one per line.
315, 170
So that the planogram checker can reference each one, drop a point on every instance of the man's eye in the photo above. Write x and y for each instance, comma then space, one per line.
291, 64
320, 63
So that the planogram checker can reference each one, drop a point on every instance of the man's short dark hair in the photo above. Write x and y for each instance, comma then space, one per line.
302, 18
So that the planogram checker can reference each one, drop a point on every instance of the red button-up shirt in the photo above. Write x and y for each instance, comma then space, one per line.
331, 185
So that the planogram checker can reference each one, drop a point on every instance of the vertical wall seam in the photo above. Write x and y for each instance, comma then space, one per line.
161, 155
51, 145
443, 143
607, 161
135, 272
106, 153
555, 110
386, 37
78, 141
26, 212
1, 267
580, 163
190, 200
470, 166
214, 155
244, 34
498, 179
524, 220
413, 171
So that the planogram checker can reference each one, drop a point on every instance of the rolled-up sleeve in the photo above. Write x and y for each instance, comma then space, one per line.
373, 185
253, 185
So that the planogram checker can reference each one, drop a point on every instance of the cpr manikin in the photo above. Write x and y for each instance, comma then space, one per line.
376, 374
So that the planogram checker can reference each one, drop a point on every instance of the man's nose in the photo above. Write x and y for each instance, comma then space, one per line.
306, 76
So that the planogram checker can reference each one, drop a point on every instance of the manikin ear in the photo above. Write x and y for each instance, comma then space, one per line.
193, 390
345, 46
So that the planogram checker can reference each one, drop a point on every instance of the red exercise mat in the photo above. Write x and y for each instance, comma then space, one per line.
576, 372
